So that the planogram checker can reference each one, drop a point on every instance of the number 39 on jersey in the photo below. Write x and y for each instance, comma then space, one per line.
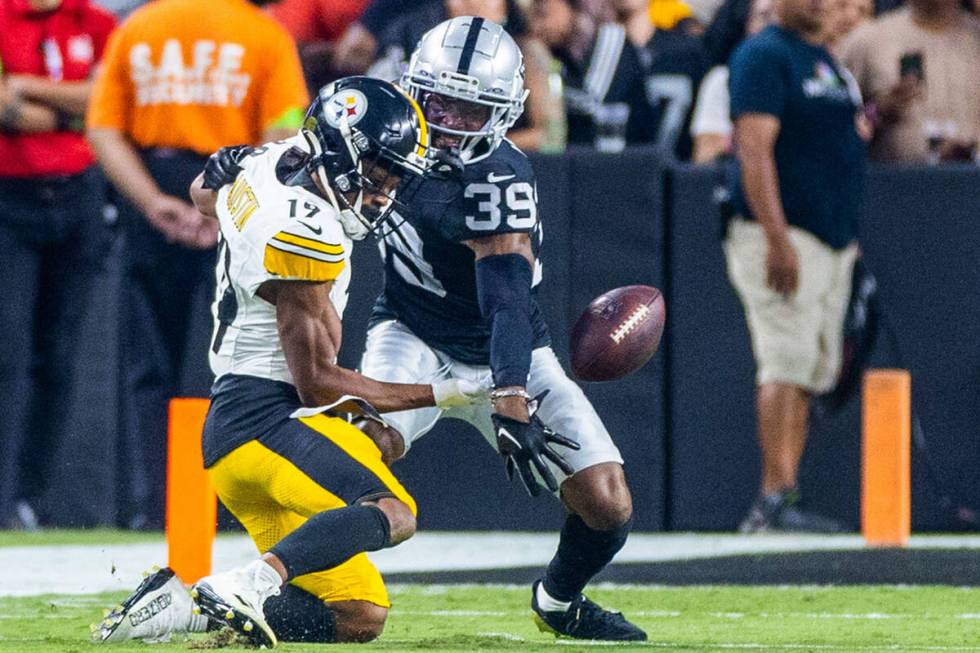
488, 206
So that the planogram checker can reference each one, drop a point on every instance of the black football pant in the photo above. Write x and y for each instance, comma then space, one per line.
165, 325
53, 240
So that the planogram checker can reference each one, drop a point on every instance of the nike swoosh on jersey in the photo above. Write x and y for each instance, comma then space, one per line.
494, 178
316, 230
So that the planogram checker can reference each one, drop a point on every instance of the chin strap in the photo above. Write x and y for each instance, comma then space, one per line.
353, 224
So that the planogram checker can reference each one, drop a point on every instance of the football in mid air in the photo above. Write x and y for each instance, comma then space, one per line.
618, 333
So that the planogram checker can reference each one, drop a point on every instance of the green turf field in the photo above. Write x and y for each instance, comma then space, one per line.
467, 618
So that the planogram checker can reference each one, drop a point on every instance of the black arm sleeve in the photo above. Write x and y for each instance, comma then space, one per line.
503, 284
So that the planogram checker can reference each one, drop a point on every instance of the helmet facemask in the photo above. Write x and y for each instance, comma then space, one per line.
366, 181
461, 99
472, 60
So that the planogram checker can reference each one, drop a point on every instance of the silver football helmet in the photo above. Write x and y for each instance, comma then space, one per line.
473, 60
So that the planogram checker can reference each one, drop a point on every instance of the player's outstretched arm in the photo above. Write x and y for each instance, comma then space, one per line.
504, 264
310, 332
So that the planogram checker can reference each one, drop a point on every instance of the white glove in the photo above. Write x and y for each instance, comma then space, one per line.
460, 392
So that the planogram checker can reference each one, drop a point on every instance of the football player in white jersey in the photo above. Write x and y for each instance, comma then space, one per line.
461, 271
313, 491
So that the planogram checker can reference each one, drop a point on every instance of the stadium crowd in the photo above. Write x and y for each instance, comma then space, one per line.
601, 73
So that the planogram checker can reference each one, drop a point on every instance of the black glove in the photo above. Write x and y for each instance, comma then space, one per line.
526, 445
224, 165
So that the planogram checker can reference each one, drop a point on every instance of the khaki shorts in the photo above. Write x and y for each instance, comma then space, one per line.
796, 340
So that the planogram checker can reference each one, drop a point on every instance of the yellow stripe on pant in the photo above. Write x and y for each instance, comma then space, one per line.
272, 497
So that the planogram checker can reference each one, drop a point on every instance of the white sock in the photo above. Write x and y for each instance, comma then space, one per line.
267, 580
549, 604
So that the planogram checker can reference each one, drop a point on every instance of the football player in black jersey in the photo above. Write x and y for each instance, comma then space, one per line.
460, 271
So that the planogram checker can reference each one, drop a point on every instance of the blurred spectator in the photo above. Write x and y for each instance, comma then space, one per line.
180, 79
668, 14
358, 47
843, 17
121, 8
625, 82
52, 233
536, 130
711, 125
673, 64
316, 25
792, 245
704, 10
919, 68
726, 30
316, 20
601, 74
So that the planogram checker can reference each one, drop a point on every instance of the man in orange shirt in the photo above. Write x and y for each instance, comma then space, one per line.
180, 79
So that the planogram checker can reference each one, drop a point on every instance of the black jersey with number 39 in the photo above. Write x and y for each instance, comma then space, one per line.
430, 275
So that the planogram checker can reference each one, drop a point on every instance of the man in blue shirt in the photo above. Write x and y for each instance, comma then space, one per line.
791, 247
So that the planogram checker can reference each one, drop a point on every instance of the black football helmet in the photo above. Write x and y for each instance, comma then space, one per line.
368, 140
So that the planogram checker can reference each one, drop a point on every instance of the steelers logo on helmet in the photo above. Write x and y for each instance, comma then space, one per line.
348, 103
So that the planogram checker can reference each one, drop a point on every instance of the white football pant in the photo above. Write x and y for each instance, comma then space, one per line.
396, 355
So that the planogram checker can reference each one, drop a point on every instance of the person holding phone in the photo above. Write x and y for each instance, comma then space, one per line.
917, 67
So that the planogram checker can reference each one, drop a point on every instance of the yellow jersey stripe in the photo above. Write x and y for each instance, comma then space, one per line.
305, 251
294, 265
362, 449
309, 243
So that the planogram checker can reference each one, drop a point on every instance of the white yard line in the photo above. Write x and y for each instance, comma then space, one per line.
670, 614
73, 569
753, 646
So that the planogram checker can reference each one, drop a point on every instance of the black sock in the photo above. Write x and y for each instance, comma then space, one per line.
582, 553
298, 616
331, 537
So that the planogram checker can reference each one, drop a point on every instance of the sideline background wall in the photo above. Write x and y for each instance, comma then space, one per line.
684, 423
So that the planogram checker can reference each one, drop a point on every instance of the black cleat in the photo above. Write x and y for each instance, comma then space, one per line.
780, 512
220, 599
585, 619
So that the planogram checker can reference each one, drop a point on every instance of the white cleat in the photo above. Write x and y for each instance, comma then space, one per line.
235, 598
160, 607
